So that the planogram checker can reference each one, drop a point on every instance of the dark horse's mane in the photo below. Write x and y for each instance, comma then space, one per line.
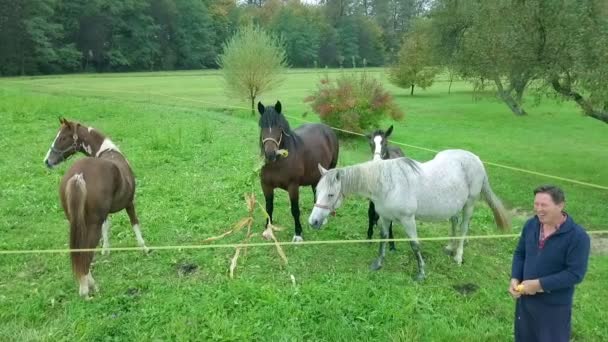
378, 132
272, 118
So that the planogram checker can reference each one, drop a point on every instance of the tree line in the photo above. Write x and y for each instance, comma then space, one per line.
63, 36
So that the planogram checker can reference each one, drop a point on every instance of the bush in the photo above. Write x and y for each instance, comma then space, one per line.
353, 103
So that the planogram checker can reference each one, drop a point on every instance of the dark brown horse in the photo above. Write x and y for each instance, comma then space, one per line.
378, 141
90, 190
307, 146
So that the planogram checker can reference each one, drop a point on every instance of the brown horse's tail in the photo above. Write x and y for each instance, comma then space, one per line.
500, 214
80, 235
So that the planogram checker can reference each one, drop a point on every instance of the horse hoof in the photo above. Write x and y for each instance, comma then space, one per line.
297, 238
419, 277
376, 265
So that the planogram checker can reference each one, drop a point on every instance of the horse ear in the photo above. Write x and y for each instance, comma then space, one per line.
261, 108
61, 120
389, 131
322, 170
277, 107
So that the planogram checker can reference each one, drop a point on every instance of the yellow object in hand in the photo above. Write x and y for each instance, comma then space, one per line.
519, 288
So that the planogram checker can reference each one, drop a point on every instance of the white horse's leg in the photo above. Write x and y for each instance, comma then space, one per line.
377, 264
467, 213
105, 231
83, 281
92, 285
409, 223
451, 246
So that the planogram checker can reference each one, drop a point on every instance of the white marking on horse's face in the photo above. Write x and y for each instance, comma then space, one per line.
46, 158
107, 145
378, 149
90, 129
329, 198
87, 149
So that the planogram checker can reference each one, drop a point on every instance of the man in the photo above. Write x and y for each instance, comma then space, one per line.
550, 258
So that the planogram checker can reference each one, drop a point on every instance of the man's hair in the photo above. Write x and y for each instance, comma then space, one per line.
557, 194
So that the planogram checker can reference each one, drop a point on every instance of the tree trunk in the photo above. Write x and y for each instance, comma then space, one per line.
252, 107
412, 91
566, 91
506, 96
451, 80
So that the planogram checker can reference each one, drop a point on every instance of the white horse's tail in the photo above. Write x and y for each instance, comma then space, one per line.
500, 214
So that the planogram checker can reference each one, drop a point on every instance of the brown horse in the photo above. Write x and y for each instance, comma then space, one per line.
92, 188
378, 141
307, 146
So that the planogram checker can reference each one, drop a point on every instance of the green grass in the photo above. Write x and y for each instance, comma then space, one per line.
194, 161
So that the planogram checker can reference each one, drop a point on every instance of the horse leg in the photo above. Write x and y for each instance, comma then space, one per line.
135, 224
377, 264
451, 246
105, 230
269, 198
92, 285
409, 223
294, 196
391, 244
467, 213
84, 261
373, 219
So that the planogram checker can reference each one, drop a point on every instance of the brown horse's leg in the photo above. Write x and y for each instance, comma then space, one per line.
135, 224
85, 279
105, 231
269, 198
294, 195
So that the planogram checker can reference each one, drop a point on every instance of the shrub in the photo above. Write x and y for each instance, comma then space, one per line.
353, 103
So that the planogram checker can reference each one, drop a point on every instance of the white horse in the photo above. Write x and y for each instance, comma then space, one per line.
404, 190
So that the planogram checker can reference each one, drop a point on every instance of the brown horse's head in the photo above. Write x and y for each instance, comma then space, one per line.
274, 128
65, 145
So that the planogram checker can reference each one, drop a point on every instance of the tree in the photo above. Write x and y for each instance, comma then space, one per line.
490, 40
415, 65
252, 62
575, 36
296, 26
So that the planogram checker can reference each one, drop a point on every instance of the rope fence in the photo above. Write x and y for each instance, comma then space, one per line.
268, 233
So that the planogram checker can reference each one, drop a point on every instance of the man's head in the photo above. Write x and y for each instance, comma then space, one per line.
549, 203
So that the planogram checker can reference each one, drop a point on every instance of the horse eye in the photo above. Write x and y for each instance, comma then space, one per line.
330, 195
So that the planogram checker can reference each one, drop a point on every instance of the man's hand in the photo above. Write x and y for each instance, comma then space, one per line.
531, 287
513, 288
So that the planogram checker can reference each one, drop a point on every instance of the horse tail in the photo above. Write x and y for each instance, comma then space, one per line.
76, 194
500, 214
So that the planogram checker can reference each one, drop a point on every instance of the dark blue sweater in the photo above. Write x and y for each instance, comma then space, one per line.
559, 265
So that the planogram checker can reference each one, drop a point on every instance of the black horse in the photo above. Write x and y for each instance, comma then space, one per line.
307, 146
378, 141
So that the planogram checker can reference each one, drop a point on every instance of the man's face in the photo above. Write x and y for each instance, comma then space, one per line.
546, 210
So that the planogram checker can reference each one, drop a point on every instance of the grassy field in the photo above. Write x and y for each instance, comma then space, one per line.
194, 154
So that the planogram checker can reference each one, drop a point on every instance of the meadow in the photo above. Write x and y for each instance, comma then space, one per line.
194, 150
